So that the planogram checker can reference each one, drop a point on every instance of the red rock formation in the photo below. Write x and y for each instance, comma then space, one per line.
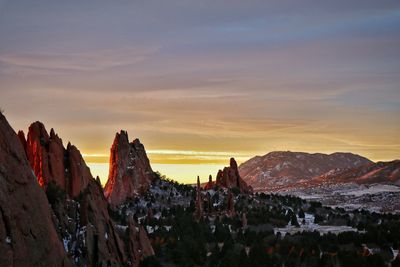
144, 242
103, 243
230, 178
51, 162
27, 233
244, 220
139, 245
130, 171
199, 200
91, 228
210, 184
230, 204
21, 136
78, 172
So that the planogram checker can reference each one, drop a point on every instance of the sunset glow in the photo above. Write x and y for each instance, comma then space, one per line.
199, 82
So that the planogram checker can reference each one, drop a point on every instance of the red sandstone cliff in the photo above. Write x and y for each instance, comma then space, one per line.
51, 162
130, 171
27, 233
79, 206
229, 178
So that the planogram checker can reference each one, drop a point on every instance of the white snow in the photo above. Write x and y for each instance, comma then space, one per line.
374, 189
310, 226
65, 243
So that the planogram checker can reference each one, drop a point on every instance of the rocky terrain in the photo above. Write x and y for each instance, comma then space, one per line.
28, 236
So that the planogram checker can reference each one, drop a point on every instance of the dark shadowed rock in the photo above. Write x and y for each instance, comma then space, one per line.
139, 246
79, 173
106, 245
199, 200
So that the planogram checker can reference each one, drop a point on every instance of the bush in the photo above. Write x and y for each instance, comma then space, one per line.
54, 193
150, 262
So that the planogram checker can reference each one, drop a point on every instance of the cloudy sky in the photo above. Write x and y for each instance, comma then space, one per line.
200, 81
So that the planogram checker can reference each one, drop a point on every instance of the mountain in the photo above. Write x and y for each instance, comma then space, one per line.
130, 171
277, 170
380, 172
27, 233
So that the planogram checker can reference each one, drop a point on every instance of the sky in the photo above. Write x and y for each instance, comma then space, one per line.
199, 82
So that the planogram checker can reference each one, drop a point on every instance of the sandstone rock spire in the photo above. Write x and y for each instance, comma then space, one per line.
229, 178
130, 171
25, 217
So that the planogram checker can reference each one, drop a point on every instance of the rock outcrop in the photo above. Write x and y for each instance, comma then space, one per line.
230, 204
199, 200
139, 245
80, 208
51, 162
78, 173
27, 233
46, 155
210, 184
130, 172
229, 178
107, 246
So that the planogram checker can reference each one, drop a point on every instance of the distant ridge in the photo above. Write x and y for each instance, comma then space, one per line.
280, 169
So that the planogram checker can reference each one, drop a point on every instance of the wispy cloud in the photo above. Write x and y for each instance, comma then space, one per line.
94, 60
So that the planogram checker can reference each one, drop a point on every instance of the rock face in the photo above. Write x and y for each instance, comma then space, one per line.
229, 178
78, 173
210, 184
230, 204
139, 245
27, 233
51, 162
46, 155
107, 246
380, 172
130, 171
199, 200
277, 170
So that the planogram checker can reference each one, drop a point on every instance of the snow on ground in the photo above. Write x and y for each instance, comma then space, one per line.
374, 189
310, 226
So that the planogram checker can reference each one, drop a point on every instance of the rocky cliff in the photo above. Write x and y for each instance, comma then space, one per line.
27, 233
51, 162
229, 178
130, 171
80, 209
